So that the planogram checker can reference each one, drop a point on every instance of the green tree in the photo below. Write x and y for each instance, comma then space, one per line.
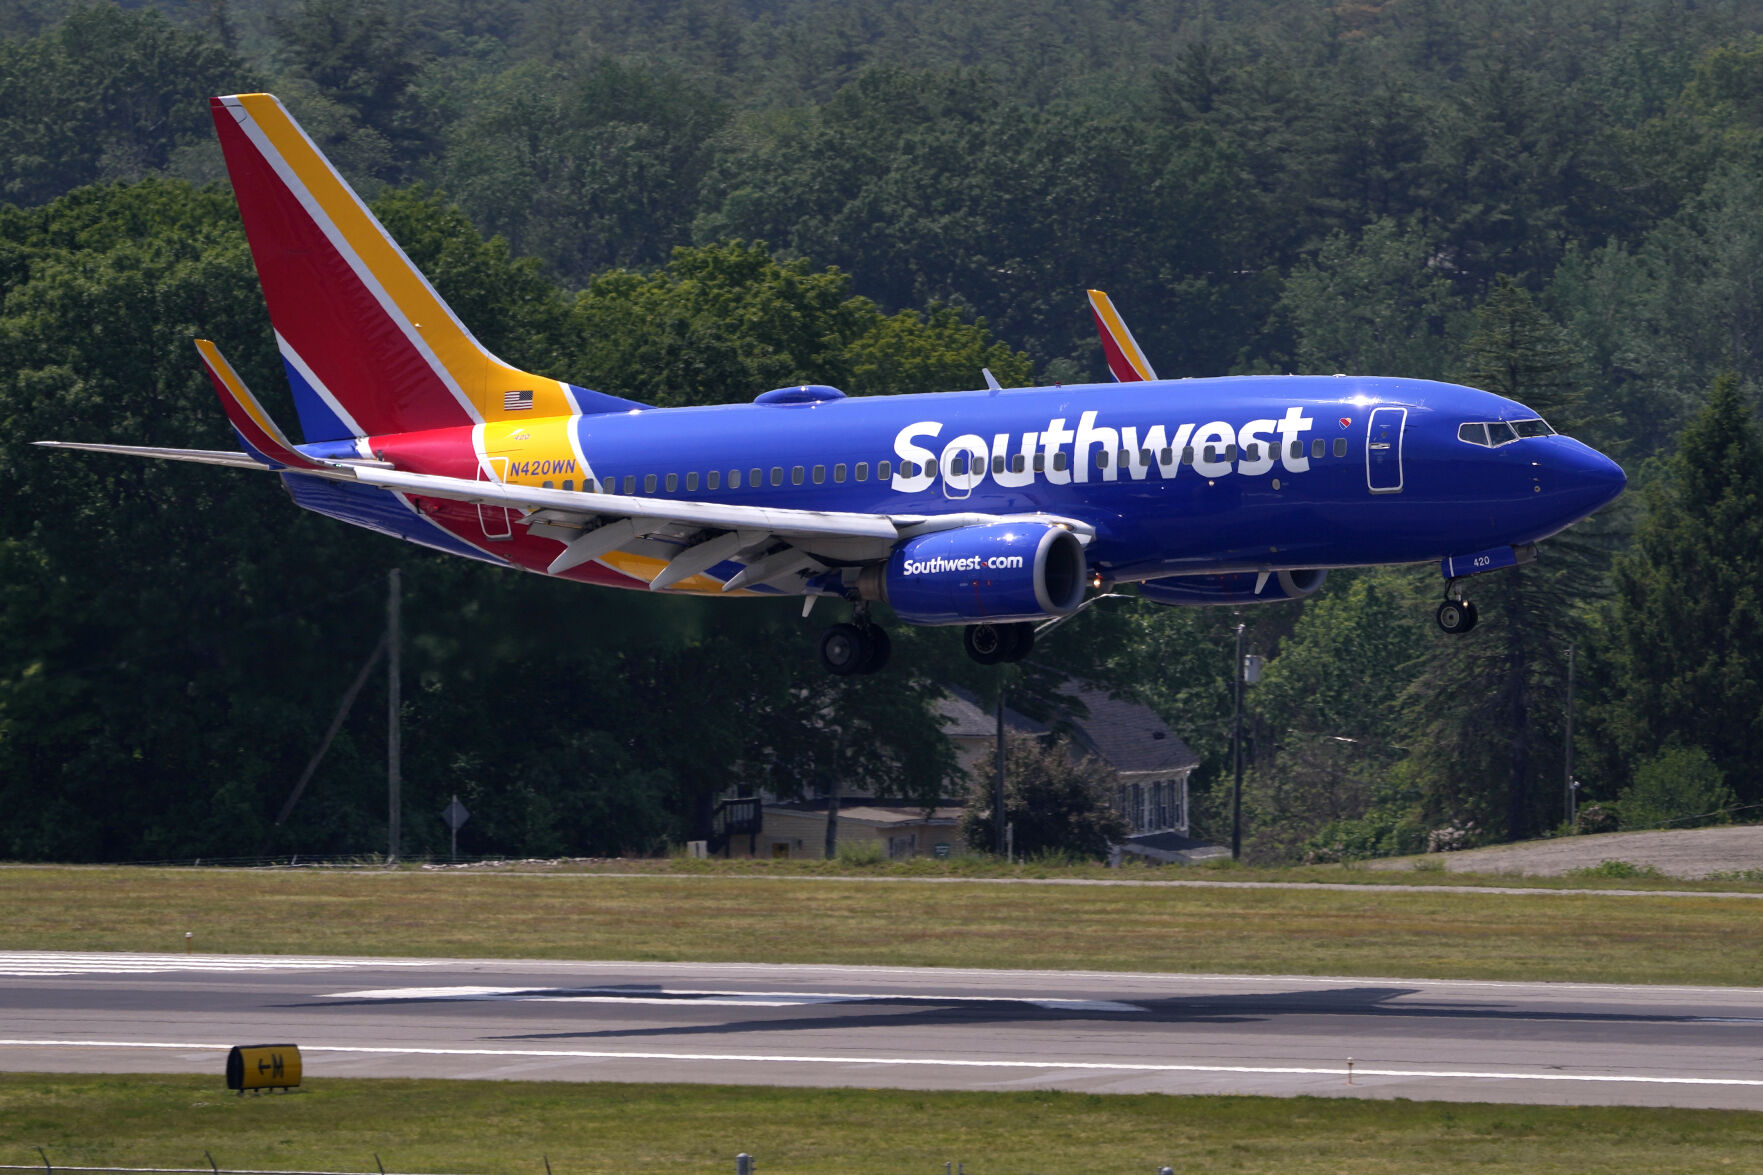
1680, 638
1059, 803
107, 95
1482, 717
1679, 787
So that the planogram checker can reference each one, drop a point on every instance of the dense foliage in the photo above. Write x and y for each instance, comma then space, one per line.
697, 200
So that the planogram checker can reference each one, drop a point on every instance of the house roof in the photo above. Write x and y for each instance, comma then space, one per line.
874, 814
1128, 736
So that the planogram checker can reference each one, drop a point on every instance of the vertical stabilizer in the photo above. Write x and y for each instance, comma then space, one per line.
1125, 360
370, 347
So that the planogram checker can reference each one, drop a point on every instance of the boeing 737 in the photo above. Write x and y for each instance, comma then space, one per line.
994, 509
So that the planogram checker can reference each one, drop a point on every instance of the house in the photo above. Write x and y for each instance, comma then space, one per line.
1151, 765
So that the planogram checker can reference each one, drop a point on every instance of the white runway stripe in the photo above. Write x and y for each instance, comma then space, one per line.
1360, 1071
698, 998
28, 963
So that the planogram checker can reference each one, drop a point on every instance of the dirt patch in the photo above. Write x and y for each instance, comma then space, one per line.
1687, 853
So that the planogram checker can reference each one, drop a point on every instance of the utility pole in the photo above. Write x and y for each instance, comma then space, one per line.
1236, 744
1570, 806
998, 785
394, 702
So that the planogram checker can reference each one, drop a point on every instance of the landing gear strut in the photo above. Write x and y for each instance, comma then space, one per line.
851, 649
990, 644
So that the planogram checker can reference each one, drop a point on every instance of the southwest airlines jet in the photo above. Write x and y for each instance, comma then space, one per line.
994, 509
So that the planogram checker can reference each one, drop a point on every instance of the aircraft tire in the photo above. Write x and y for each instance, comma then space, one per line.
987, 643
880, 646
1022, 641
845, 650
1457, 616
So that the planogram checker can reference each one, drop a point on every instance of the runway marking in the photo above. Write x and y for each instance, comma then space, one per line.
1359, 1071
23, 964
716, 999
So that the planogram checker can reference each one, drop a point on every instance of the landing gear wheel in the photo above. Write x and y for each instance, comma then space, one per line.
880, 646
987, 643
1457, 616
1022, 640
992, 644
844, 650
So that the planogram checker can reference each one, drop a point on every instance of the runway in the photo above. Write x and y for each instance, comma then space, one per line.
920, 1028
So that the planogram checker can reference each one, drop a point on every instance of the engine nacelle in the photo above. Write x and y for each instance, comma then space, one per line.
1236, 587
1000, 571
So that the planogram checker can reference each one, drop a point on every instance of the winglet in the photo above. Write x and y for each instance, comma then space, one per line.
1125, 360
257, 432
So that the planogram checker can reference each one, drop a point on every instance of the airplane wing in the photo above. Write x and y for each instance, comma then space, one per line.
591, 525
1125, 360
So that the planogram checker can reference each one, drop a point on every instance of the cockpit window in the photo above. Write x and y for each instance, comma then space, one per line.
1502, 432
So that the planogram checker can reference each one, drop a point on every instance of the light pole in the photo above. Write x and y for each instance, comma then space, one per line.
1236, 750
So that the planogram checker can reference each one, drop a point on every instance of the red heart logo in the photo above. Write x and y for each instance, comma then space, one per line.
1346, 422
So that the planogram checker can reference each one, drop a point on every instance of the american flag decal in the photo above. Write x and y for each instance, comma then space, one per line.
517, 401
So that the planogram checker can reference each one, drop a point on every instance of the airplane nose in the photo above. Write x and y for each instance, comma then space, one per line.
1585, 481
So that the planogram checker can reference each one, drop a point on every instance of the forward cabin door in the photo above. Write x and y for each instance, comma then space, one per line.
1383, 450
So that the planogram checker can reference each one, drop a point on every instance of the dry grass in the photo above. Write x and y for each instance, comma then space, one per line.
1448, 933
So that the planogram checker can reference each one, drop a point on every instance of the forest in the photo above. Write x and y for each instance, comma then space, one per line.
693, 201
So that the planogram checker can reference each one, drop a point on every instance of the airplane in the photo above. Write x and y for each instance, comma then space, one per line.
994, 510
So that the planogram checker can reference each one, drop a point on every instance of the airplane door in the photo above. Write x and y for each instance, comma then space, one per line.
1383, 450
497, 521
961, 469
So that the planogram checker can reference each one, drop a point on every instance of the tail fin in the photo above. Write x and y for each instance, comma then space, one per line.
1125, 360
370, 347
257, 432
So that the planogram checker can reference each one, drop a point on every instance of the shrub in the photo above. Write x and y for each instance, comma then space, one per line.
1680, 786
1609, 868
860, 853
1595, 818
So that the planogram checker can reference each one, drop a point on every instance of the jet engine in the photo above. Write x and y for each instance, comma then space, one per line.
1236, 587
1000, 571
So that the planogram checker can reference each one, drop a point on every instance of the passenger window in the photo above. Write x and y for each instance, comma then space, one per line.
1252, 452
958, 464
755, 477
1297, 450
1060, 461
1040, 463
1102, 459
734, 479
797, 475
861, 473
1187, 455
630, 483
1340, 446
884, 470
1318, 447
998, 463
691, 482
819, 474
547, 485
777, 475
1500, 433
1166, 457
1018, 463
713, 479
1125, 458
648, 483
839, 473
673, 483
1212, 453
1145, 458
569, 484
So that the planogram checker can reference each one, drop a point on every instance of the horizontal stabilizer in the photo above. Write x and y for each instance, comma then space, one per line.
259, 434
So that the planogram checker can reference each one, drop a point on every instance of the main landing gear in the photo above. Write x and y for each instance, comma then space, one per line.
851, 649
990, 644
1456, 616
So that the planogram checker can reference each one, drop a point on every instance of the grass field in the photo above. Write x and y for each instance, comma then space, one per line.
1445, 933
515, 1127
